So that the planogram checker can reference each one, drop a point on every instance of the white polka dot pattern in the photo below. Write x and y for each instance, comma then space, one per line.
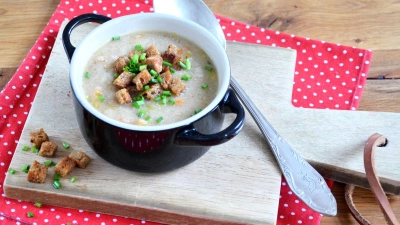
327, 76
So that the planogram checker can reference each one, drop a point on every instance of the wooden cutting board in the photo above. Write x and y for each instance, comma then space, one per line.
236, 182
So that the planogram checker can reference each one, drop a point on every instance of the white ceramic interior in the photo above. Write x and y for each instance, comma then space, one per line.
148, 21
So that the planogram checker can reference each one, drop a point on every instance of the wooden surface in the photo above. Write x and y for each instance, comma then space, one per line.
366, 24
232, 182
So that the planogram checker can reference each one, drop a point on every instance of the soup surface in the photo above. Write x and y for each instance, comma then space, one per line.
185, 85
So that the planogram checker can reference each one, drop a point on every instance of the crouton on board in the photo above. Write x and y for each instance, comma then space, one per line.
37, 172
81, 159
48, 149
38, 137
65, 166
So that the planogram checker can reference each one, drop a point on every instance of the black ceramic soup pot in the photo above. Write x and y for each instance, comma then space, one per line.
155, 148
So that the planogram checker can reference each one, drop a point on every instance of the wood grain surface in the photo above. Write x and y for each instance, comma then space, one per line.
366, 24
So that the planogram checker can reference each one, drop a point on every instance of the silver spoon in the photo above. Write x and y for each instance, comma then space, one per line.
301, 177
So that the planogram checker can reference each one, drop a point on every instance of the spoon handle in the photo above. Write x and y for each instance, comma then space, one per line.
301, 177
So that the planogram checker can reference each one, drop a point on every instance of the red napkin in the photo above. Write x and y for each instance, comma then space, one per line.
327, 76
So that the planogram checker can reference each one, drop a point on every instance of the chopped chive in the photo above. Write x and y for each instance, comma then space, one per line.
208, 68
34, 149
166, 63
204, 86
141, 113
166, 93
56, 177
159, 79
116, 76
25, 148
153, 72
25, 168
135, 59
115, 38
188, 64
72, 180
147, 118
68, 223
11, 171
197, 111
171, 101
30, 214
38, 204
183, 65
186, 77
49, 163
142, 56
160, 119
163, 99
137, 104
138, 48
146, 87
138, 98
142, 67
154, 80
87, 75
171, 70
101, 98
65, 145
156, 99
56, 184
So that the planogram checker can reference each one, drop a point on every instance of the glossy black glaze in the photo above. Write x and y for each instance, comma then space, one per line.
153, 151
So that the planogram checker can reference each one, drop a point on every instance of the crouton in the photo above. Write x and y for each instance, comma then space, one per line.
171, 55
154, 91
123, 96
175, 63
123, 80
48, 149
166, 79
152, 51
81, 159
121, 63
177, 86
141, 79
155, 62
65, 166
38, 137
37, 172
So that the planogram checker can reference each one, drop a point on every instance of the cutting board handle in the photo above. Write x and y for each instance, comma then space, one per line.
189, 136
84, 18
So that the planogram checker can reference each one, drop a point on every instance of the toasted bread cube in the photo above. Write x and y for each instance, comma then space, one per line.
38, 137
177, 86
171, 53
81, 159
154, 91
65, 166
152, 51
166, 79
141, 79
37, 172
155, 62
48, 149
123, 96
123, 80
120, 63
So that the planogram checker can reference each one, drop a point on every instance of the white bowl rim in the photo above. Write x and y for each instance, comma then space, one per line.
223, 68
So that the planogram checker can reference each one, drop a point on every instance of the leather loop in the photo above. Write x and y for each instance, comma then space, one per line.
374, 141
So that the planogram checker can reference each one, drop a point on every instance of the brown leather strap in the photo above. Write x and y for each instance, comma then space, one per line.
373, 142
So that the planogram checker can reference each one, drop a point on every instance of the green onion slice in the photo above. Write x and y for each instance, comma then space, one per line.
171, 101
186, 77
147, 118
160, 119
183, 65
135, 59
171, 70
49, 163
65, 145
137, 104
166, 93
142, 56
116, 76
25, 148
11, 171
156, 99
197, 111
101, 98
138, 48
56, 184
141, 113
153, 72
34, 149
166, 63
30, 214
146, 87
72, 180
188, 64
115, 38
56, 177
142, 67
159, 79
208, 68
38, 204
204, 86
87, 75
163, 99
25, 168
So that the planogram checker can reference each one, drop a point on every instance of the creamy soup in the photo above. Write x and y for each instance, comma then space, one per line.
124, 80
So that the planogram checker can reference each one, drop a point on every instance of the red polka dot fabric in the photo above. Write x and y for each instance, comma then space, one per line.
327, 75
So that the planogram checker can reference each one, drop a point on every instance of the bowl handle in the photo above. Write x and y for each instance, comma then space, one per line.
84, 18
189, 136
